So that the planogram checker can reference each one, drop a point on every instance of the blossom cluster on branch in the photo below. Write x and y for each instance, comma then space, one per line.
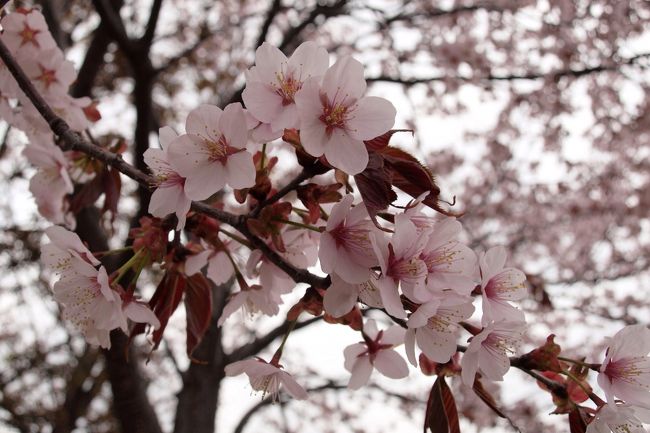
410, 264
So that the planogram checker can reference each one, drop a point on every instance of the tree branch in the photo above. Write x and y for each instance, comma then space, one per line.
150, 30
260, 343
274, 9
555, 75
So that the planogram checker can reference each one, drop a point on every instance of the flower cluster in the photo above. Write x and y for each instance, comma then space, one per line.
91, 301
26, 35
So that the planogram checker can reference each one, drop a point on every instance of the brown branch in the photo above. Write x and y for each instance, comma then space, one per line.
293, 184
329, 386
150, 30
260, 343
554, 75
274, 9
115, 26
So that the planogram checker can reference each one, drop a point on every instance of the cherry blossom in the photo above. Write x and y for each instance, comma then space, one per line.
625, 373
376, 351
51, 72
65, 245
26, 30
435, 328
450, 264
267, 378
616, 418
500, 286
89, 301
220, 268
345, 247
169, 196
335, 118
341, 296
213, 151
489, 351
253, 299
401, 265
51, 184
274, 80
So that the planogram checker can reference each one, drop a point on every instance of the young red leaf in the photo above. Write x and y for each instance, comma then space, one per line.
487, 398
163, 303
381, 142
441, 414
198, 309
111, 185
374, 185
577, 422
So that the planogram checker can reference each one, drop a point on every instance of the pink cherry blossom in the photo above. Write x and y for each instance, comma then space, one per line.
489, 351
450, 264
213, 151
51, 72
625, 373
65, 245
252, 299
274, 80
220, 268
88, 301
169, 196
345, 247
616, 418
500, 286
267, 378
341, 296
435, 328
401, 265
26, 31
376, 351
335, 118
301, 250
51, 184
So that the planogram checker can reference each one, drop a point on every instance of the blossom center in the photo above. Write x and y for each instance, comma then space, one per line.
28, 35
47, 77
335, 115
220, 150
287, 87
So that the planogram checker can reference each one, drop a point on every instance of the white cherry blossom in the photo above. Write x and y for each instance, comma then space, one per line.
335, 117
213, 153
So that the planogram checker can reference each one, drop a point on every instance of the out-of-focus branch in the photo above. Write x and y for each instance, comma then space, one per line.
329, 386
274, 9
150, 30
115, 26
260, 343
554, 75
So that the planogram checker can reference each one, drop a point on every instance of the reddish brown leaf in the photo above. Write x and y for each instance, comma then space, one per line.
409, 175
544, 358
441, 415
111, 185
487, 398
91, 112
380, 142
374, 185
198, 308
163, 303
313, 195
577, 421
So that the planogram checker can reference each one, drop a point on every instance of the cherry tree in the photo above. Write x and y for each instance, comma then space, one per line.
297, 185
